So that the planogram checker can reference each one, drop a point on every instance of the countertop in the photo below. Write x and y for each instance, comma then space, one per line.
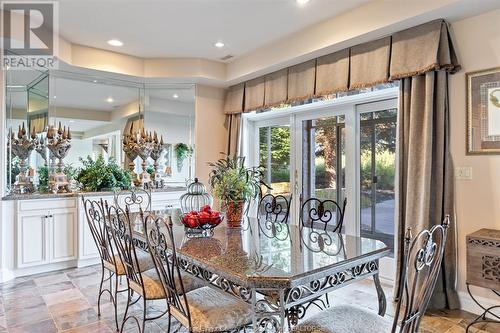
34, 196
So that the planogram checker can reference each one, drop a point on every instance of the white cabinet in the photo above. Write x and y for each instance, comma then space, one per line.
32, 240
46, 232
63, 229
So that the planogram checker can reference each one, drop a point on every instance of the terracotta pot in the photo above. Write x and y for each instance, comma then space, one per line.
234, 213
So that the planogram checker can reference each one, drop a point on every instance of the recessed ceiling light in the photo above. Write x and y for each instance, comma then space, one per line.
302, 2
55, 96
115, 42
95, 81
110, 100
219, 44
71, 121
175, 96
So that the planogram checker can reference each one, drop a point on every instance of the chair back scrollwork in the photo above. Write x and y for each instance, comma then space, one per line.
422, 260
323, 214
273, 216
134, 199
122, 233
161, 246
99, 228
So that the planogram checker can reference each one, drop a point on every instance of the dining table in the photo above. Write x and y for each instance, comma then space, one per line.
281, 270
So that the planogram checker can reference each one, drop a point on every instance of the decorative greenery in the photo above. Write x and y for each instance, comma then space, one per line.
97, 175
14, 171
43, 176
182, 151
231, 181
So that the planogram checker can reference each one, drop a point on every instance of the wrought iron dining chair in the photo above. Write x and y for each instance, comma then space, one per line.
110, 262
141, 274
201, 310
323, 214
273, 213
421, 266
134, 199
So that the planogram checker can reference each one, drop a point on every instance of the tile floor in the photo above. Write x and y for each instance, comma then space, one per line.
66, 301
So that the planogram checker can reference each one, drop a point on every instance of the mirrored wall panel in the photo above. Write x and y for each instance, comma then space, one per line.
78, 127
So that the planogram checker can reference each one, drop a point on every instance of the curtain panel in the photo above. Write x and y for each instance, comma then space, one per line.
424, 48
425, 179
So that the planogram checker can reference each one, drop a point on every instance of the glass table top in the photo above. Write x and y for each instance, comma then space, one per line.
258, 253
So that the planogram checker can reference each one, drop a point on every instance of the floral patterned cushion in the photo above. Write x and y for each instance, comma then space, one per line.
213, 311
154, 288
152, 285
345, 319
145, 263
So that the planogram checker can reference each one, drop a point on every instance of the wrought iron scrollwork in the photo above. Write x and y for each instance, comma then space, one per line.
215, 280
323, 213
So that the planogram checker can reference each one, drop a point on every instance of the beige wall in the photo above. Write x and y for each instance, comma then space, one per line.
210, 138
477, 40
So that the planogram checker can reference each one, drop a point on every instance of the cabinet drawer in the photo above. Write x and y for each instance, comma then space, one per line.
46, 204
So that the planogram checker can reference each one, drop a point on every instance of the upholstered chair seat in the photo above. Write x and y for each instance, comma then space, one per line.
152, 285
154, 288
345, 319
145, 263
214, 311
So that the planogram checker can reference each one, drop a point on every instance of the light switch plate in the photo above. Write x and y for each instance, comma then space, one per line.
463, 173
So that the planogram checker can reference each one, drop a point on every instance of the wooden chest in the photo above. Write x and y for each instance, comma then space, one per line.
483, 259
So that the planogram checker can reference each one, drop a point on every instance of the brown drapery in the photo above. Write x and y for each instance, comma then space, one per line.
425, 172
39, 120
417, 50
233, 125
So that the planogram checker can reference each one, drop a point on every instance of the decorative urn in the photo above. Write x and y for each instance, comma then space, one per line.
195, 198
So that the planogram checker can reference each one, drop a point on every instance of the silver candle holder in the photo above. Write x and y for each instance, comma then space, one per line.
138, 144
21, 146
58, 142
157, 154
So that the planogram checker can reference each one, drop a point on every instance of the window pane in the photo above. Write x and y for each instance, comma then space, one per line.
324, 159
377, 172
274, 156
365, 142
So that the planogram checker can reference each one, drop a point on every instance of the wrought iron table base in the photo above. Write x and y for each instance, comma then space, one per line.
486, 311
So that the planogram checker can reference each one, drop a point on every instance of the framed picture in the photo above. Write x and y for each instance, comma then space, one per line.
483, 112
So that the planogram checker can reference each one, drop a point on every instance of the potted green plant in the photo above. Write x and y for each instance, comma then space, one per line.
182, 151
98, 175
234, 184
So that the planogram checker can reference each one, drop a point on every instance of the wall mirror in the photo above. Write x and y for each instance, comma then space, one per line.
100, 112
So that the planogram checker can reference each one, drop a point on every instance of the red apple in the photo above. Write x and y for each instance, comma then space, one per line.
204, 217
206, 208
193, 222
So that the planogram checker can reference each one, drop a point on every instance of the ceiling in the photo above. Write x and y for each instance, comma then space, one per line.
189, 28
90, 95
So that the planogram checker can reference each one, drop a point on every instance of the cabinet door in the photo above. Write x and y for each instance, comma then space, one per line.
32, 240
63, 235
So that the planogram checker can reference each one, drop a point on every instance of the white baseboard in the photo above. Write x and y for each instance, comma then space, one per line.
7, 275
467, 304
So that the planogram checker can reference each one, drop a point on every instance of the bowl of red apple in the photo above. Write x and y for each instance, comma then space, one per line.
201, 223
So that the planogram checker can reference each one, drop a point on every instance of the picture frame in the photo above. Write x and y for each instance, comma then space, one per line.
483, 112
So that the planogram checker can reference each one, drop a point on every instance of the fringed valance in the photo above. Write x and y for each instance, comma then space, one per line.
417, 50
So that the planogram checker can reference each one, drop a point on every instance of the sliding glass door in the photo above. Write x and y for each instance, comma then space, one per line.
377, 171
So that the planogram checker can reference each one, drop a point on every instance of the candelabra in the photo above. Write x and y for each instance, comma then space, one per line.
138, 144
41, 148
156, 154
58, 142
22, 146
129, 142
